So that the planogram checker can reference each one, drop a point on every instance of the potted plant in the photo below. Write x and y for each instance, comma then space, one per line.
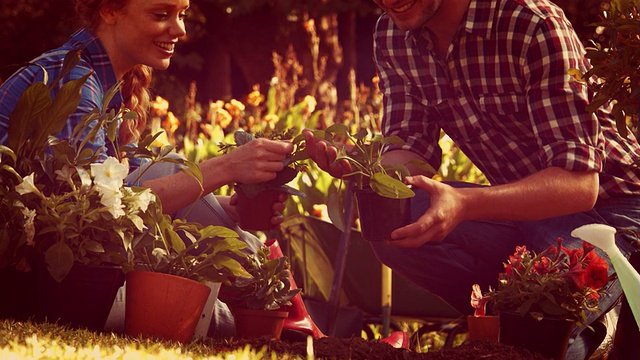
255, 201
256, 301
70, 222
480, 325
376, 185
167, 291
65, 217
541, 297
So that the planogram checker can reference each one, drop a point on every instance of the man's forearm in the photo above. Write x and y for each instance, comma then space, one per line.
548, 193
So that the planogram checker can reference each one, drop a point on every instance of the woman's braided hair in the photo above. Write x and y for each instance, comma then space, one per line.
136, 82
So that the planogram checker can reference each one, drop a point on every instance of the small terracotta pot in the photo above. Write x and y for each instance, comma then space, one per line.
255, 213
258, 323
163, 306
484, 327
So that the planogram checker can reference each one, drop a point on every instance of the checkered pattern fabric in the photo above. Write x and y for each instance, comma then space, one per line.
93, 59
503, 94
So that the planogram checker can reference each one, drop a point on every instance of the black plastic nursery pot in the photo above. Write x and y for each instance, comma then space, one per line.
380, 215
83, 299
18, 289
255, 212
548, 337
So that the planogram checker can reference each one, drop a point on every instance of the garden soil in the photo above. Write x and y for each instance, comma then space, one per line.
356, 348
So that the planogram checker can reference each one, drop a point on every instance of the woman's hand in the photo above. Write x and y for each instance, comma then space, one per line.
258, 160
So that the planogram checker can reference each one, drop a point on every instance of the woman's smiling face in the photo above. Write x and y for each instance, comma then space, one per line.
146, 32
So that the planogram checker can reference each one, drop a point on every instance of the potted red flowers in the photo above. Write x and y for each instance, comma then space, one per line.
539, 294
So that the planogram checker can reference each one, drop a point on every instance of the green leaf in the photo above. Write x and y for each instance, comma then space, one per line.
282, 177
338, 129
112, 131
213, 231
111, 92
393, 139
423, 165
59, 259
361, 135
71, 59
242, 137
292, 191
34, 101
335, 210
11, 170
387, 186
94, 246
176, 241
64, 104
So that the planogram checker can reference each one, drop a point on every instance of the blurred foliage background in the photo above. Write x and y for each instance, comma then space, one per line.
261, 66
230, 43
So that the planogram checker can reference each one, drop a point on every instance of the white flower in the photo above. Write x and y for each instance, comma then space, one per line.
111, 198
85, 178
137, 222
109, 173
64, 174
29, 226
27, 186
159, 253
142, 199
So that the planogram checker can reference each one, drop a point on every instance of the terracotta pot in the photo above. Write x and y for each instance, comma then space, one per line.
258, 323
548, 337
484, 327
163, 306
380, 215
83, 299
255, 213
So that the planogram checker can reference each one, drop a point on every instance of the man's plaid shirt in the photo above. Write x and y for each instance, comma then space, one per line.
503, 94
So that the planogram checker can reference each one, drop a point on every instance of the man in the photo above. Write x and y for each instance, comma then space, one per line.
493, 75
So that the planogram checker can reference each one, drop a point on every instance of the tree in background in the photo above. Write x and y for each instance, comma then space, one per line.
236, 40
30, 27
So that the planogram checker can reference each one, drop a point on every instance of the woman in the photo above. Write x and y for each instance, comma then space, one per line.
125, 40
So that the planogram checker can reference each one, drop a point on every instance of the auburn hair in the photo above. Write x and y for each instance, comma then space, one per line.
136, 82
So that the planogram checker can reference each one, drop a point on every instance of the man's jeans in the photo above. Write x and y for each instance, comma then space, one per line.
475, 251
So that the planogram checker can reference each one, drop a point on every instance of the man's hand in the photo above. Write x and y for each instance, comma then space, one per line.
444, 214
324, 154
551, 192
